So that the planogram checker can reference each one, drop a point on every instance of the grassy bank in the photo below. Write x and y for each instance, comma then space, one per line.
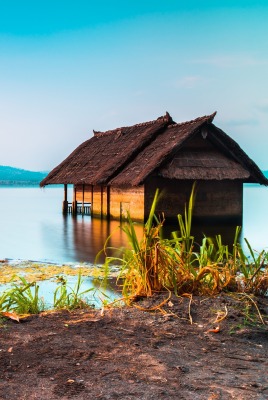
180, 265
154, 265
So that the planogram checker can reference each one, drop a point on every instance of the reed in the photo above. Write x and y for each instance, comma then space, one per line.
139, 265
154, 264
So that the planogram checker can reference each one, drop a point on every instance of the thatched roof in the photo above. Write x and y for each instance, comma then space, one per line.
129, 155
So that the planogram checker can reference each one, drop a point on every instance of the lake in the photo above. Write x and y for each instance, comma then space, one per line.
33, 227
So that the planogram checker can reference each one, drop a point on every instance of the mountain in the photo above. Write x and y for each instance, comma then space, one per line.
17, 176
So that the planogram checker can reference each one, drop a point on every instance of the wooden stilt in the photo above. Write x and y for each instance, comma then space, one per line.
108, 202
74, 208
83, 201
101, 202
65, 201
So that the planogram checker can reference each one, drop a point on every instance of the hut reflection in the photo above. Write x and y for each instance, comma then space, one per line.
87, 237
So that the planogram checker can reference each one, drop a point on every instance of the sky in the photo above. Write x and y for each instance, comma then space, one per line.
68, 67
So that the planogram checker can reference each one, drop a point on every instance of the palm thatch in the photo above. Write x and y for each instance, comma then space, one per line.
128, 156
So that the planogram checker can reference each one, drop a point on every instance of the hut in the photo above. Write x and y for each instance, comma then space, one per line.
118, 171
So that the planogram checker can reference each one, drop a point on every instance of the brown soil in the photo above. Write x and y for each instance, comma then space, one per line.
126, 353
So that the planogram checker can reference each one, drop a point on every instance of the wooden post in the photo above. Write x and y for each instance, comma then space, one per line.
101, 202
92, 200
83, 200
65, 201
74, 201
108, 202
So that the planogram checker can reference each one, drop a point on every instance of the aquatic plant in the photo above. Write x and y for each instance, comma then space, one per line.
34, 272
4, 301
154, 264
22, 298
66, 297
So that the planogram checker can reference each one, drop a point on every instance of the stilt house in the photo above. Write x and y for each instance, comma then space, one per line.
118, 171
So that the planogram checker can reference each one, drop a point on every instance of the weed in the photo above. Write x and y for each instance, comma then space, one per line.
154, 264
22, 298
66, 297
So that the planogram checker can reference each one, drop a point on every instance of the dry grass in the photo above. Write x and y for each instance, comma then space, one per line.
154, 264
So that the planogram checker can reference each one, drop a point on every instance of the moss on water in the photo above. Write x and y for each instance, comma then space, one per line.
33, 271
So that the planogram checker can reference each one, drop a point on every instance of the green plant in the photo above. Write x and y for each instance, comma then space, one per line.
185, 240
22, 298
139, 265
4, 301
251, 270
66, 297
154, 264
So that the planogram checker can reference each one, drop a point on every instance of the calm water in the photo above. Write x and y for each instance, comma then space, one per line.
33, 227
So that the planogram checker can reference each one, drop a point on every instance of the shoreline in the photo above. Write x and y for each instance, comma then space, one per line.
34, 271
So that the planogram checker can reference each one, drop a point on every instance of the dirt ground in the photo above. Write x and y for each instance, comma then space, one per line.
199, 348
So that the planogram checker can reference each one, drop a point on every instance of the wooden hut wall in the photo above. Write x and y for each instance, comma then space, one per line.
87, 189
96, 195
113, 202
127, 199
99, 203
215, 200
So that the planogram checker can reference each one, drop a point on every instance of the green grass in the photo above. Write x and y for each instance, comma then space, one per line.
66, 297
22, 298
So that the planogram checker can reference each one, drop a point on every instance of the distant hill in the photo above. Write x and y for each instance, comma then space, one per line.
17, 176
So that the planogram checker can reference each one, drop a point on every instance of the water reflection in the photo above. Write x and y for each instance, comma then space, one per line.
87, 236
199, 231
33, 227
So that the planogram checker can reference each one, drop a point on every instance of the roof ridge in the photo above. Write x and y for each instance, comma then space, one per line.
163, 118
206, 118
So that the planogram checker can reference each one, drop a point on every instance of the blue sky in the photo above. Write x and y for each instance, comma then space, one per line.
68, 67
